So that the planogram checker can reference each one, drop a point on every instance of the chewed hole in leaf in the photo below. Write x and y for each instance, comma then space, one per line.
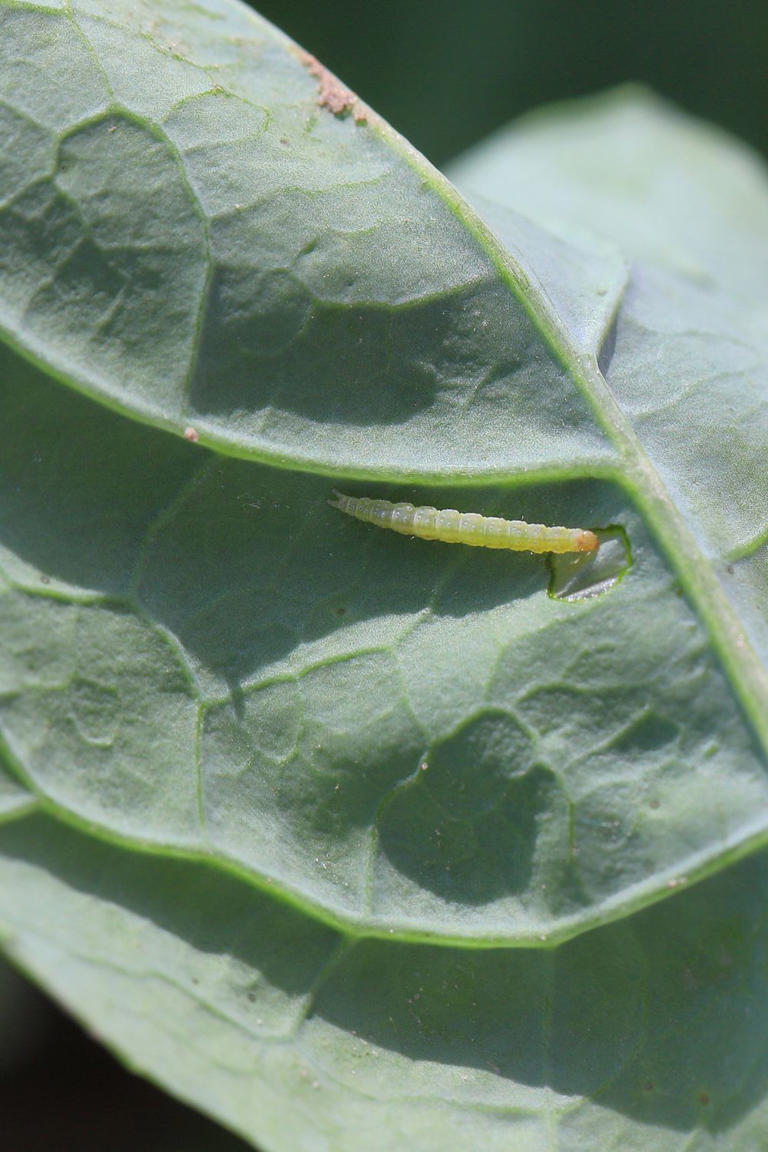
583, 575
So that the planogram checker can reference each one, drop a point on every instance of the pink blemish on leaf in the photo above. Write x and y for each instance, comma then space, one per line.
331, 93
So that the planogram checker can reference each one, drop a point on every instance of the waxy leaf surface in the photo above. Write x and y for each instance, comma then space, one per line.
352, 839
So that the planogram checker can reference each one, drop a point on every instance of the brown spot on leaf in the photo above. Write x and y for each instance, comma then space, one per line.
331, 93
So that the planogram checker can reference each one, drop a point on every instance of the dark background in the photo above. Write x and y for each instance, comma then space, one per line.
445, 73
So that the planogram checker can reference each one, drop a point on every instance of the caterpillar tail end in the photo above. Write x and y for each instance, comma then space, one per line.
339, 501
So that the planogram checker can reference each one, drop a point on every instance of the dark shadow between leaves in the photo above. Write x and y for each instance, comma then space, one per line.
607, 348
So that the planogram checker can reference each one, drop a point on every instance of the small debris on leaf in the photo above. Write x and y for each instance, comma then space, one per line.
331, 93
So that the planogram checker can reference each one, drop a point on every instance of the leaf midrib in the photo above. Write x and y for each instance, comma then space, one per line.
642, 483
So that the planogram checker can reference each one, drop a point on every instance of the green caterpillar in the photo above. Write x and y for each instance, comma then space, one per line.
471, 528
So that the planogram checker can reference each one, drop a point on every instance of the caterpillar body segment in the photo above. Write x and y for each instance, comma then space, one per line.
454, 527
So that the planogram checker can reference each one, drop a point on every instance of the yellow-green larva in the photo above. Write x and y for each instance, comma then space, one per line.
455, 527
